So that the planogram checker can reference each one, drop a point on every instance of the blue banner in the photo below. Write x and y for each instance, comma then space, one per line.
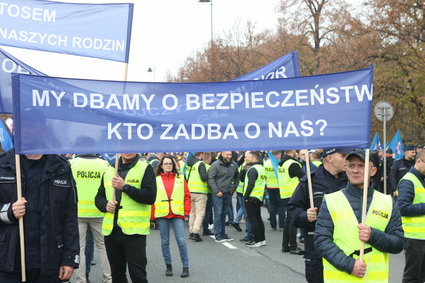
397, 145
9, 65
321, 111
91, 30
376, 144
284, 67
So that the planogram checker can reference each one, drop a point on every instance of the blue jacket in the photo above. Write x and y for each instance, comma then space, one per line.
389, 241
59, 238
406, 194
322, 183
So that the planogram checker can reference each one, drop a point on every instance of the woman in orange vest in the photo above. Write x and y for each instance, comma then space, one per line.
171, 208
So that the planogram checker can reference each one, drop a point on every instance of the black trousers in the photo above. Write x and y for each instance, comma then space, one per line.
125, 249
414, 269
289, 231
208, 218
33, 276
254, 216
314, 270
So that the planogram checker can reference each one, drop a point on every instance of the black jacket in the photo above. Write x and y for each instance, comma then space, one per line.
398, 170
389, 241
59, 238
323, 183
406, 194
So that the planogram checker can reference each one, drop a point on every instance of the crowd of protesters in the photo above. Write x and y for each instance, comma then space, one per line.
115, 208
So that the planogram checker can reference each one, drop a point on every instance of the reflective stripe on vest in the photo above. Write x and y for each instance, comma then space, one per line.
287, 184
271, 175
88, 174
345, 236
414, 226
163, 203
260, 182
317, 162
133, 217
195, 183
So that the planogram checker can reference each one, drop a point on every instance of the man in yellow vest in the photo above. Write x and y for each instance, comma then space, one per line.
411, 202
127, 219
289, 174
338, 234
253, 194
276, 205
88, 170
197, 177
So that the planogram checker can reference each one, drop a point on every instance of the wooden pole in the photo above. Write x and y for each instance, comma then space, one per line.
117, 159
365, 189
21, 220
310, 186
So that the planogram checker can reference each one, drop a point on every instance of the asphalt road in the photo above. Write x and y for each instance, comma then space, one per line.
233, 261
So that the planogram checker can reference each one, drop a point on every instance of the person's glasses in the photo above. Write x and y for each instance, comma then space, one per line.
167, 164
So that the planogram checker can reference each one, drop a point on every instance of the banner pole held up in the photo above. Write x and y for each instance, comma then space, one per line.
21, 220
310, 187
365, 189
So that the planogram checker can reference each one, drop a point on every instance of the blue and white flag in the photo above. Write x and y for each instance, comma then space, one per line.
9, 65
5, 138
321, 111
92, 30
376, 144
275, 163
284, 67
397, 145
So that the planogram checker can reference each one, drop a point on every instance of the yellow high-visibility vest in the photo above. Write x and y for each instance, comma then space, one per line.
163, 203
260, 183
271, 175
346, 237
287, 184
133, 217
414, 226
88, 174
195, 183
239, 189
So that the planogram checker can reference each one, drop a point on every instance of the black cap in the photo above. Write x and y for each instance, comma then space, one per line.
330, 151
359, 153
419, 146
409, 147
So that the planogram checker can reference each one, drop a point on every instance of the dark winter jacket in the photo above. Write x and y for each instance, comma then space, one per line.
323, 183
223, 177
398, 170
406, 194
59, 239
389, 241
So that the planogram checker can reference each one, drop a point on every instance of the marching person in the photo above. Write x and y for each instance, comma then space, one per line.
197, 177
88, 170
254, 186
289, 173
276, 205
126, 221
172, 208
411, 202
328, 178
402, 166
208, 218
49, 208
223, 178
338, 233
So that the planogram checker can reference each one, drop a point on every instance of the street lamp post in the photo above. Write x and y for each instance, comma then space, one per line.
150, 70
212, 36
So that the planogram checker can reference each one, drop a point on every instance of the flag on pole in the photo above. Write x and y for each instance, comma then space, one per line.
397, 145
376, 144
275, 163
5, 138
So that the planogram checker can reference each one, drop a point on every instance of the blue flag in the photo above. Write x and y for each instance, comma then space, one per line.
185, 162
5, 138
91, 30
397, 146
376, 144
293, 113
9, 65
275, 163
284, 67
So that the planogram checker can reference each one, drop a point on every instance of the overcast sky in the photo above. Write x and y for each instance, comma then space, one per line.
164, 34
